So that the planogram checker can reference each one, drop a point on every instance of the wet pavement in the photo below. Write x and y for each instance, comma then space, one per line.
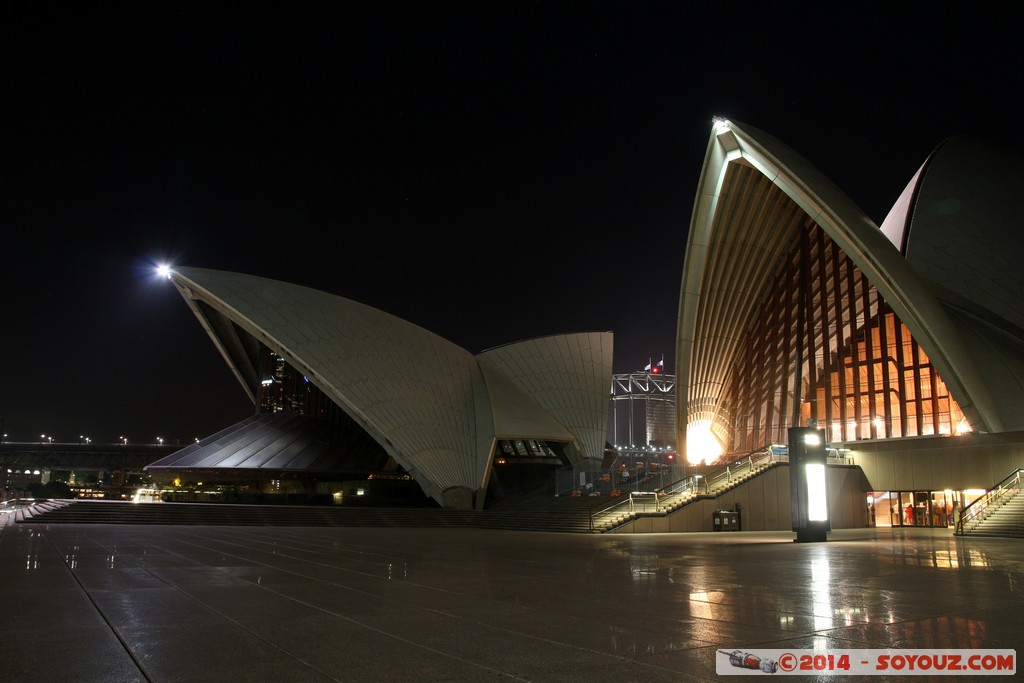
178, 603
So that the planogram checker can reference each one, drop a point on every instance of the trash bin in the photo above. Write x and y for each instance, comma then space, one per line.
730, 521
725, 520
717, 521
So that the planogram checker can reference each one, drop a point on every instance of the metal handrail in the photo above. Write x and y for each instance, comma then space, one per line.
746, 465
606, 480
638, 501
665, 497
14, 503
684, 485
608, 511
979, 509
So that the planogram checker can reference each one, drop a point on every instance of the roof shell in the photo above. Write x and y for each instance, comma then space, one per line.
958, 224
961, 229
429, 403
569, 376
736, 237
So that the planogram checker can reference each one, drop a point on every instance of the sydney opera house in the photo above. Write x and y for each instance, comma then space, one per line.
903, 342
350, 399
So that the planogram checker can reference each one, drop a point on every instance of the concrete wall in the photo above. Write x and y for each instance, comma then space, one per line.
968, 461
765, 505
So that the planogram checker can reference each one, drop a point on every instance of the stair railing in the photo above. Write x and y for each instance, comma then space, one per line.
747, 465
977, 511
663, 499
697, 484
622, 507
678, 486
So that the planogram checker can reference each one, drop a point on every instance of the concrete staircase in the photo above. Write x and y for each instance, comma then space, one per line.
669, 502
213, 514
570, 515
1003, 518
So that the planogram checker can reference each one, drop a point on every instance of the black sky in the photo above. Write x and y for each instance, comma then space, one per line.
491, 171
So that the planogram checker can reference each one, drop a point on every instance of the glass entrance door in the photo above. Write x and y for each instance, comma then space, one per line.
906, 508
880, 504
942, 508
922, 508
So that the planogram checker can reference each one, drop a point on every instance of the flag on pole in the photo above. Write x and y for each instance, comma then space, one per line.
647, 368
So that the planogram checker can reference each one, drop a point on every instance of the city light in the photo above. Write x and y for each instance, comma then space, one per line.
163, 270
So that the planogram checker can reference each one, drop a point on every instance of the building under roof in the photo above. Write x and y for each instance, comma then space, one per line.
903, 342
344, 391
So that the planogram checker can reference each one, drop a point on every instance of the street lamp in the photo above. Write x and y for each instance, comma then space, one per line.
160, 441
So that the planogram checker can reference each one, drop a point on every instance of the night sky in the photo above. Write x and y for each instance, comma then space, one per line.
491, 171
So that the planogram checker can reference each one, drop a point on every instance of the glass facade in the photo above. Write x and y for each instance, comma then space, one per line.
826, 351
917, 508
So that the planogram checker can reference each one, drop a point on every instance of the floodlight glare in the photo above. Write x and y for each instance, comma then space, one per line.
163, 270
701, 444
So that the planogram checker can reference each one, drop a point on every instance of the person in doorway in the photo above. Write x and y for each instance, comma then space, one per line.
908, 514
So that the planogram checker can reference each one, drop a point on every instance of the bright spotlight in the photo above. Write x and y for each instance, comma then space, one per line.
701, 444
164, 270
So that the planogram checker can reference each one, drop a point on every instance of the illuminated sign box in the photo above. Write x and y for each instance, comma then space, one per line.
808, 484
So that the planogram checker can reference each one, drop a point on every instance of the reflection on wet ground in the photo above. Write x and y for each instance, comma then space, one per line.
127, 603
